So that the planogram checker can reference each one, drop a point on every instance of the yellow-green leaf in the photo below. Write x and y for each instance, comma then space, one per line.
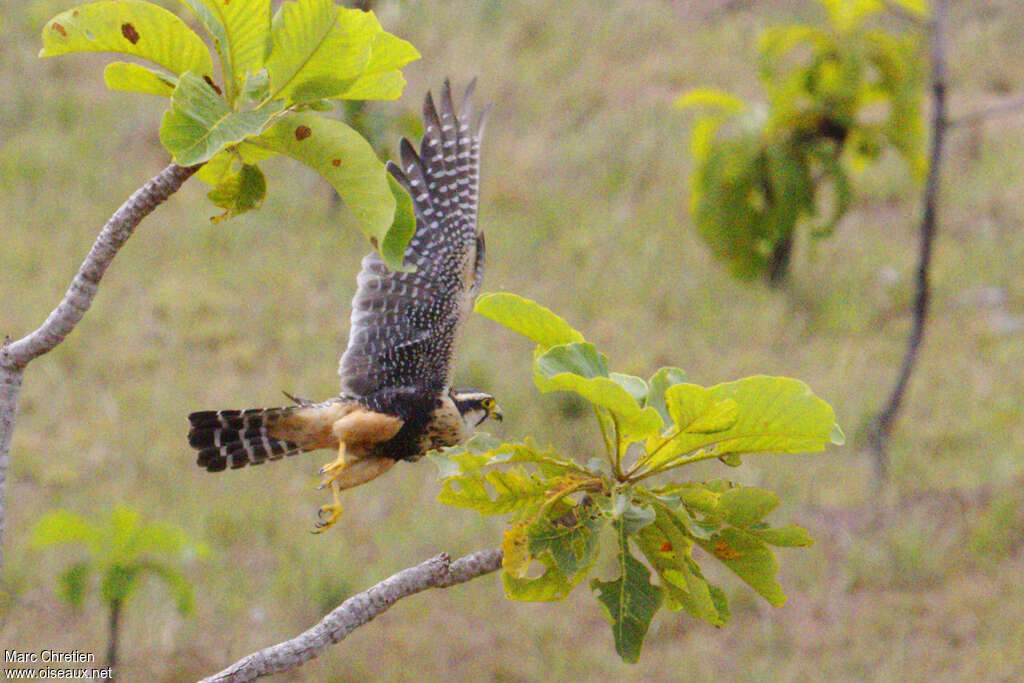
132, 77
745, 505
750, 559
140, 29
773, 414
200, 123
348, 163
320, 50
579, 368
549, 586
528, 318
710, 97
241, 32
239, 192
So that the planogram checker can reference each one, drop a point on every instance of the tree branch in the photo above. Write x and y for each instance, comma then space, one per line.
879, 436
14, 356
999, 108
437, 572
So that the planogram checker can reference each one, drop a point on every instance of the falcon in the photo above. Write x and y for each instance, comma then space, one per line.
396, 401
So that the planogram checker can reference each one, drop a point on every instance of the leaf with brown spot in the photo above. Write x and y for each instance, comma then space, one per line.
209, 82
360, 179
129, 32
724, 551
118, 27
336, 163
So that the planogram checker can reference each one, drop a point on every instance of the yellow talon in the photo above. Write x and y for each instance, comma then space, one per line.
328, 514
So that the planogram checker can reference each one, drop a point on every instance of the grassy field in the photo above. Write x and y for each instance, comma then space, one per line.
585, 204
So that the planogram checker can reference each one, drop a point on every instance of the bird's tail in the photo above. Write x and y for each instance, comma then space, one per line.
238, 437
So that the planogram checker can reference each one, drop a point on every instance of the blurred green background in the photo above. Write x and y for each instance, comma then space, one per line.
584, 200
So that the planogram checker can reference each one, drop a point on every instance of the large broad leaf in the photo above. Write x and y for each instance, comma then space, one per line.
630, 602
667, 547
572, 544
579, 368
750, 558
133, 77
200, 123
322, 51
528, 318
140, 29
381, 78
241, 32
660, 382
772, 414
349, 164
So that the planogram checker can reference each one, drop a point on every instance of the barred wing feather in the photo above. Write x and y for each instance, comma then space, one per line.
403, 325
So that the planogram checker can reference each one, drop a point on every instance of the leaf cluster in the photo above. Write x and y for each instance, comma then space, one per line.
559, 509
121, 549
275, 76
839, 96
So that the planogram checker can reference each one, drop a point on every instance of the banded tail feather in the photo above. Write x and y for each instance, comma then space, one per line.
237, 438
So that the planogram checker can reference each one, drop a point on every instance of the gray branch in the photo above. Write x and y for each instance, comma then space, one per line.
437, 572
14, 356
878, 438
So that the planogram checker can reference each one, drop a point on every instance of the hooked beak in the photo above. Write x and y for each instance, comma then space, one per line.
495, 413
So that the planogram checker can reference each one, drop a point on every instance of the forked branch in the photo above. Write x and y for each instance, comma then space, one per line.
15, 355
437, 572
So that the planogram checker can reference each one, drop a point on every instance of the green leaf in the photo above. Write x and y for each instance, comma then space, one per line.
73, 583
322, 51
528, 318
659, 383
200, 123
60, 527
512, 490
581, 359
239, 192
241, 33
710, 97
750, 559
630, 603
636, 387
381, 79
579, 368
132, 77
572, 546
140, 29
117, 584
383, 86
773, 414
348, 163
551, 585
791, 536
745, 505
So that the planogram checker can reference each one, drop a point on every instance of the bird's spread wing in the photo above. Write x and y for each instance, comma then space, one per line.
403, 327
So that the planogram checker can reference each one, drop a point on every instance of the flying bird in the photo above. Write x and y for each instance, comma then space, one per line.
396, 401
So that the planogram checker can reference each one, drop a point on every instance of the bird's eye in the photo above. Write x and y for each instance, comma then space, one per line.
488, 402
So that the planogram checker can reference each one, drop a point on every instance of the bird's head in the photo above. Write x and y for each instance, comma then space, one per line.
475, 406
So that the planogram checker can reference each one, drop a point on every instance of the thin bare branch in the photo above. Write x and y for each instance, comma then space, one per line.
437, 572
1009, 106
882, 428
14, 356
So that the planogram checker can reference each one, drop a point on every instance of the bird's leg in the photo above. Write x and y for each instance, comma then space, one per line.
344, 473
